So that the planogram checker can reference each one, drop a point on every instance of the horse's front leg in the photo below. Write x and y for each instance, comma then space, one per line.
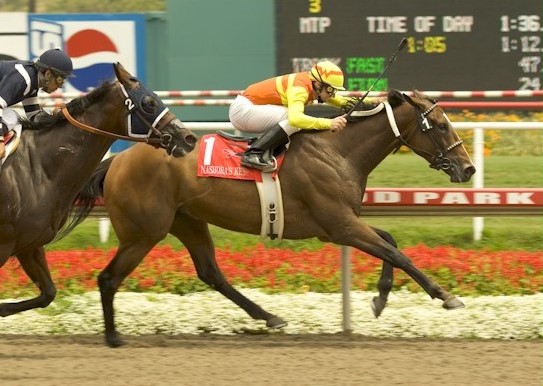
387, 276
35, 266
194, 234
128, 257
357, 234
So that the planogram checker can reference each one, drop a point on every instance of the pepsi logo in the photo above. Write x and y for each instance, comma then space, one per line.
92, 53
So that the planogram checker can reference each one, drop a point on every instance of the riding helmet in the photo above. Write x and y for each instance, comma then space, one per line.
328, 73
57, 61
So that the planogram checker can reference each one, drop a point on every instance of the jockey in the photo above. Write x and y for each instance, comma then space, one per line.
20, 81
276, 107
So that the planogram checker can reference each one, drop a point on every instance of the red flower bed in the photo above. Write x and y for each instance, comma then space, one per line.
464, 272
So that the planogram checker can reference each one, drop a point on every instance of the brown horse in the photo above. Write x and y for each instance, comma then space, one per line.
323, 178
55, 158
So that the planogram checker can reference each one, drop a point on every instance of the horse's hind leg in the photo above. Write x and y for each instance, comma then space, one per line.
194, 234
127, 258
35, 266
387, 276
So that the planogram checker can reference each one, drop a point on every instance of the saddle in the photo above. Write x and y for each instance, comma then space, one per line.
235, 138
11, 140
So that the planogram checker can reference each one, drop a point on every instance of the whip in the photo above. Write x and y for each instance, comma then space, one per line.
392, 59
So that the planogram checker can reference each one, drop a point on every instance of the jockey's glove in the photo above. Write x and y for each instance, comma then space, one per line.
364, 105
351, 102
40, 116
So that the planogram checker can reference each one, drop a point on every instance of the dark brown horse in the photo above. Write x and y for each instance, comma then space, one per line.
39, 182
323, 178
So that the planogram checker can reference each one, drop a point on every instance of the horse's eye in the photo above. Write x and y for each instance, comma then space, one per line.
148, 104
443, 126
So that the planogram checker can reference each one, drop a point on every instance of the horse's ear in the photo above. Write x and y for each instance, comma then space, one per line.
418, 94
121, 73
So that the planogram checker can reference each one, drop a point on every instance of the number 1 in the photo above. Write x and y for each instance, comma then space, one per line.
210, 141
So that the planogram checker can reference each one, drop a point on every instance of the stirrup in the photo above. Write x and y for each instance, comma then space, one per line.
264, 167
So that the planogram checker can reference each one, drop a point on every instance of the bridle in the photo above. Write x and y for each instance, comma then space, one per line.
439, 160
137, 118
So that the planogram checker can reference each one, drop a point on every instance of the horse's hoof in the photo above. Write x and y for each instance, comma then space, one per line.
115, 342
275, 322
378, 305
452, 303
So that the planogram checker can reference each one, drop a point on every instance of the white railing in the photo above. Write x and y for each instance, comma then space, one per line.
212, 98
431, 94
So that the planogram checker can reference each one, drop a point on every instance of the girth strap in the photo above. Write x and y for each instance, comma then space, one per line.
271, 207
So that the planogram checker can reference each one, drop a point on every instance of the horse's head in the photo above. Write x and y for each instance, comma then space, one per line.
148, 117
429, 133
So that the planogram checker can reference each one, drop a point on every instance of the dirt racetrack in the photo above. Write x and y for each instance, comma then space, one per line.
279, 360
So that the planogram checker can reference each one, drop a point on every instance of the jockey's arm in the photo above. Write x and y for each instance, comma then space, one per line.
296, 98
32, 108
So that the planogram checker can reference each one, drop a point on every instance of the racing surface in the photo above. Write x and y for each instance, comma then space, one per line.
277, 359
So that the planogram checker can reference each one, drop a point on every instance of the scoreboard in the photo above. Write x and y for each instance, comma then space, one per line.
451, 45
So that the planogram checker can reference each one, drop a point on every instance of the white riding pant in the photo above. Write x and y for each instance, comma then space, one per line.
248, 117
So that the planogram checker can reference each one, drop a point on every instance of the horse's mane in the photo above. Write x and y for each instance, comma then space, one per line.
75, 107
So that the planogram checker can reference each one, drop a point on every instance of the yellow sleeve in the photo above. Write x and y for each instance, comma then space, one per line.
340, 101
296, 98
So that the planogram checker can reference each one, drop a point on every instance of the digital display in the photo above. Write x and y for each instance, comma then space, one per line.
451, 45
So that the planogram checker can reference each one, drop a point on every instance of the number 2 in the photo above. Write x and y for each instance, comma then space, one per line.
128, 102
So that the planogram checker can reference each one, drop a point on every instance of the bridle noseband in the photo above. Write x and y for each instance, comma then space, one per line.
439, 160
141, 124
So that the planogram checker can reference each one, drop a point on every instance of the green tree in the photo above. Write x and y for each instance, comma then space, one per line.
81, 6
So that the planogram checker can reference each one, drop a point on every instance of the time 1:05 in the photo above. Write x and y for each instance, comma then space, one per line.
427, 44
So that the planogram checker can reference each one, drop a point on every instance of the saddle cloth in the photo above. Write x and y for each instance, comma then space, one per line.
221, 157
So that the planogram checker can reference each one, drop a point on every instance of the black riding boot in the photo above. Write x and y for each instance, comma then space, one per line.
259, 154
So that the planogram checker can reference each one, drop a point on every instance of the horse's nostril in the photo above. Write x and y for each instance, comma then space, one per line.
191, 139
470, 171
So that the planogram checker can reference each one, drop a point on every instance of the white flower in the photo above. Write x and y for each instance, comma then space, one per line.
406, 315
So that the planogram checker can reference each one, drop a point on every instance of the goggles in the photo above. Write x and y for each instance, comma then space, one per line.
59, 78
330, 90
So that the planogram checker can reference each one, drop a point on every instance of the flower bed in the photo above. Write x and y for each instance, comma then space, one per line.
407, 315
165, 270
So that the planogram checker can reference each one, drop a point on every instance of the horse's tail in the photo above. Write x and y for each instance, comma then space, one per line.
89, 196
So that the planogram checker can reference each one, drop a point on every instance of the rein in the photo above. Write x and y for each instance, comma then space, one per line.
440, 162
162, 140
104, 133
